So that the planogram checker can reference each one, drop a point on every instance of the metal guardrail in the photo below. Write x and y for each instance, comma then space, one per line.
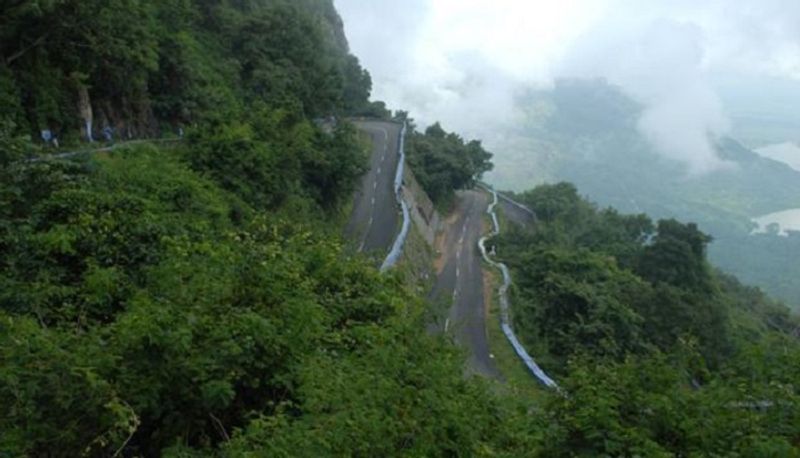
517, 204
397, 246
505, 320
511, 201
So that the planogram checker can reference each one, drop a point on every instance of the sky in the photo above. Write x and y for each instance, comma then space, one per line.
461, 61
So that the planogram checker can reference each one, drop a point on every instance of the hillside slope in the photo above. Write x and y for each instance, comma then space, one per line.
195, 298
147, 67
586, 132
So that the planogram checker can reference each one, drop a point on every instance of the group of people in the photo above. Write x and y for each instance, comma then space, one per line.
50, 138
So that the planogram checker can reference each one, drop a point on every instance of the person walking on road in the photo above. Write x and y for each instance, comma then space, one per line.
108, 134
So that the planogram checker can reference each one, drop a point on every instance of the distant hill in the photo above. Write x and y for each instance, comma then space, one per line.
585, 131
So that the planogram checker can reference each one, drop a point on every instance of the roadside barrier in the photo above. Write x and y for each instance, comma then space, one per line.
397, 246
505, 320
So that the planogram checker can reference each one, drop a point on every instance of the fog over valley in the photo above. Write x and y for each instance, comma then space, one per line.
421, 228
464, 62
674, 108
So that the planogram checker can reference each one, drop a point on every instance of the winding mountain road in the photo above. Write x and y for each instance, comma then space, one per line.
461, 279
373, 226
516, 213
373, 221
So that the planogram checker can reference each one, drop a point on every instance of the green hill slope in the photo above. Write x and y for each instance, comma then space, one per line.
586, 132
196, 298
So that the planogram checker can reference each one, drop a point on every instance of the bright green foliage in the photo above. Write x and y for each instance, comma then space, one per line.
642, 407
443, 162
676, 256
587, 132
144, 305
54, 399
147, 307
196, 300
597, 281
557, 203
279, 156
657, 354
579, 301
79, 245
150, 64
391, 399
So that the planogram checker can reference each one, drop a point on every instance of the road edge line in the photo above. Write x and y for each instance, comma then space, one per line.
505, 322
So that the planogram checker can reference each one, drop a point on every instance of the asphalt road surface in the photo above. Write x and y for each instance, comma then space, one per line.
515, 214
462, 279
373, 222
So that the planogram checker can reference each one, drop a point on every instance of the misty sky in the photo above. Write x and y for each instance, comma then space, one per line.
461, 61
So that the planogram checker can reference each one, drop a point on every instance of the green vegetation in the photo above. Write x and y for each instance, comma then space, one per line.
443, 162
586, 132
197, 299
659, 354
144, 67
144, 307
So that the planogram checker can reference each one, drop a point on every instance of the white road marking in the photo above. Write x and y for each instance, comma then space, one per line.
455, 294
375, 184
366, 233
446, 324
463, 232
458, 272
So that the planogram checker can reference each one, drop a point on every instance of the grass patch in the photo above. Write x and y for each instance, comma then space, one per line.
415, 266
518, 381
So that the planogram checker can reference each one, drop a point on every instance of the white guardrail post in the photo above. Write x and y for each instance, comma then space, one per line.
397, 247
505, 321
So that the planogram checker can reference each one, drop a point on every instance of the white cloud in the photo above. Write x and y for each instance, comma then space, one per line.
460, 61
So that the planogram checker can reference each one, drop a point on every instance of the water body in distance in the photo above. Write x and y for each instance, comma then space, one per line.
787, 220
787, 152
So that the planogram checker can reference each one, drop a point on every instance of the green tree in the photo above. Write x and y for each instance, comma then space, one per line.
443, 162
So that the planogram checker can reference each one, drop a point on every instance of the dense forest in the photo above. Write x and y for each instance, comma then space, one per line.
196, 298
443, 162
586, 132
148, 67
661, 354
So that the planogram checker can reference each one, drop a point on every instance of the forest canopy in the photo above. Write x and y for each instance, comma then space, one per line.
443, 162
659, 353
196, 298
147, 67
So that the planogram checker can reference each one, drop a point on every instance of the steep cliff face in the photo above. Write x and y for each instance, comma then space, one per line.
331, 21
145, 67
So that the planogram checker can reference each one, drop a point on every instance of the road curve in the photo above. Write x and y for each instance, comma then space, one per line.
515, 213
505, 322
373, 221
461, 279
